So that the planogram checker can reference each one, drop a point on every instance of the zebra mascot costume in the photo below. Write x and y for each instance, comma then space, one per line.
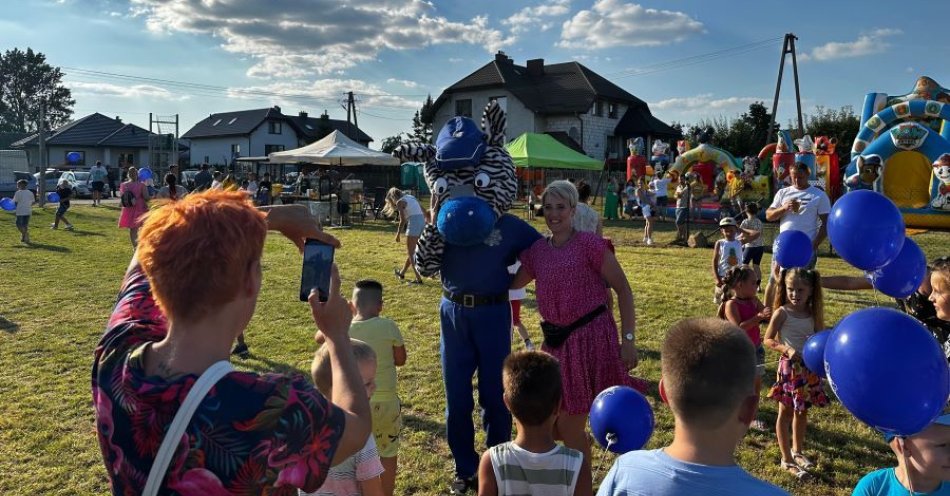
473, 241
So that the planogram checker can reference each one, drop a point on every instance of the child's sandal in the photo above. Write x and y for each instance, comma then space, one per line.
802, 461
794, 469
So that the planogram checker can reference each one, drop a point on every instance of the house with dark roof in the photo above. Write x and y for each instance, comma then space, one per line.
575, 105
222, 137
94, 137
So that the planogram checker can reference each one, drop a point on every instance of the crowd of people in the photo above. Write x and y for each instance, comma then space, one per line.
339, 431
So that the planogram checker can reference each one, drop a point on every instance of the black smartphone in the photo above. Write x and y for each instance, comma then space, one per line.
317, 262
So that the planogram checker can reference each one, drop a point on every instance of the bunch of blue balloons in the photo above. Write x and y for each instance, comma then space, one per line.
7, 204
145, 174
867, 230
621, 419
792, 249
52, 197
884, 365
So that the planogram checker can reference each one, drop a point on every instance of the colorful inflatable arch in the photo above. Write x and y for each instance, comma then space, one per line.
704, 160
900, 129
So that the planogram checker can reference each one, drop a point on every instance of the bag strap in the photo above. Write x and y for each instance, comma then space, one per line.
198, 391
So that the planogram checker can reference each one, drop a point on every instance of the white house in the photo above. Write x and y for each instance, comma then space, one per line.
222, 137
575, 105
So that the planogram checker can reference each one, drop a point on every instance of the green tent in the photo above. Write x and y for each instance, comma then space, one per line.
542, 151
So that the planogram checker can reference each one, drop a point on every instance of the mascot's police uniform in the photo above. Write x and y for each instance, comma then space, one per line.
472, 180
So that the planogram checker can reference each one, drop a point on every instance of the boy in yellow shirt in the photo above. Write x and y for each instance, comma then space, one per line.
383, 336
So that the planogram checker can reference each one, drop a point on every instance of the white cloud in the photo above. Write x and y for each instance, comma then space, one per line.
455, 60
403, 82
705, 101
118, 91
612, 23
533, 17
330, 92
305, 38
866, 44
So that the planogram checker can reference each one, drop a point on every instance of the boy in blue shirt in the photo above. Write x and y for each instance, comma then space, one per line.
708, 380
922, 465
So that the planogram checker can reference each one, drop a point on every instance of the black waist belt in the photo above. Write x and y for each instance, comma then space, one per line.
473, 300
555, 335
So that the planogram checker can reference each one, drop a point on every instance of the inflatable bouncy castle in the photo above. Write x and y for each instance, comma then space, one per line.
706, 161
907, 133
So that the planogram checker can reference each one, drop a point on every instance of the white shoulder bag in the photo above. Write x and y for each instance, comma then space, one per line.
187, 409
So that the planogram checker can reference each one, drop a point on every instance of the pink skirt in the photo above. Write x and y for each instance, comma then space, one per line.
590, 362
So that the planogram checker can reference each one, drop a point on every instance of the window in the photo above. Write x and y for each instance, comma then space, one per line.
598, 108
216, 123
232, 121
502, 102
274, 127
235, 150
463, 107
612, 110
268, 149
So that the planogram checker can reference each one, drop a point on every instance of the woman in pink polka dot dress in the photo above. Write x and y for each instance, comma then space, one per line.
569, 269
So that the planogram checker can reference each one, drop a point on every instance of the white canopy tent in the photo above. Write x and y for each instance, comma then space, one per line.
334, 149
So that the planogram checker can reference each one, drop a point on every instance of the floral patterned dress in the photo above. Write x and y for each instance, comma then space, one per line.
568, 285
252, 434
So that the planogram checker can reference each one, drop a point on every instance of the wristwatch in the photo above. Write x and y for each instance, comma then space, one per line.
628, 336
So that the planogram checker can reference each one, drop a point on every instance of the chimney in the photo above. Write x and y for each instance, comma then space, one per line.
303, 115
276, 109
325, 116
536, 67
501, 57
117, 119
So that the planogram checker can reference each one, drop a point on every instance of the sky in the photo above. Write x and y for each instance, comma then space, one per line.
688, 59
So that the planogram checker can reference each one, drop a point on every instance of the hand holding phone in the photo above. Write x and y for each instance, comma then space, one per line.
334, 316
315, 274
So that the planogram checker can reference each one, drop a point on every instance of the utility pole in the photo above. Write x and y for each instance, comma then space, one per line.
788, 47
350, 107
41, 182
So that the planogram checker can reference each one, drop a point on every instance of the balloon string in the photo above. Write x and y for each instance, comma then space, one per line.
611, 440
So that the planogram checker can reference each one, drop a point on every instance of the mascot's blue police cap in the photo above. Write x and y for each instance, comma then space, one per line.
461, 143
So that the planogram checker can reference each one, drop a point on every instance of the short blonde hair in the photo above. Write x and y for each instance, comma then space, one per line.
322, 372
562, 189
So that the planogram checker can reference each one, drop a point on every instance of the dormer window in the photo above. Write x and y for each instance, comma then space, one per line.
216, 123
232, 121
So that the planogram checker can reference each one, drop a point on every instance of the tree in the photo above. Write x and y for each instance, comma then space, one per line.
26, 80
422, 121
742, 136
390, 143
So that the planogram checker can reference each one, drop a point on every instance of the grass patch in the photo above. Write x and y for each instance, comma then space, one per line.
55, 297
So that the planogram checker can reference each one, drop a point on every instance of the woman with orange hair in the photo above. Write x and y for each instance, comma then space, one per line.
189, 291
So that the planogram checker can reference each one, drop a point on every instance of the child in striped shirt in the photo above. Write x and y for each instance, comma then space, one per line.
532, 464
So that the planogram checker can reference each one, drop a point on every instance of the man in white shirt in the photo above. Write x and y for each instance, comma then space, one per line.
799, 207
659, 185
97, 177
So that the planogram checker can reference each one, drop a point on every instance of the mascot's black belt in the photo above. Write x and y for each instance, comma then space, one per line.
471, 300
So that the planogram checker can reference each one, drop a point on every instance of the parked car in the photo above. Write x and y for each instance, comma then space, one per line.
84, 186
52, 179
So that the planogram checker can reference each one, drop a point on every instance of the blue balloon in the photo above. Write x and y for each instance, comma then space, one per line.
792, 249
814, 353
52, 197
145, 174
73, 157
887, 370
7, 204
866, 229
901, 277
623, 415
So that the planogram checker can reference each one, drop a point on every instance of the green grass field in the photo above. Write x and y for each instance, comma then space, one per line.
55, 297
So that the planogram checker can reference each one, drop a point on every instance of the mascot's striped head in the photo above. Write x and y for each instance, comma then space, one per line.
470, 196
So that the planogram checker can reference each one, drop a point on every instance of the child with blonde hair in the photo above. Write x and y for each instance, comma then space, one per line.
797, 313
413, 217
358, 475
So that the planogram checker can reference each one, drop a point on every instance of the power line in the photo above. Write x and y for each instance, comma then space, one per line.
696, 59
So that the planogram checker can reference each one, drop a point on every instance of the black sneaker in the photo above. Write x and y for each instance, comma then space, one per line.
241, 350
463, 486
